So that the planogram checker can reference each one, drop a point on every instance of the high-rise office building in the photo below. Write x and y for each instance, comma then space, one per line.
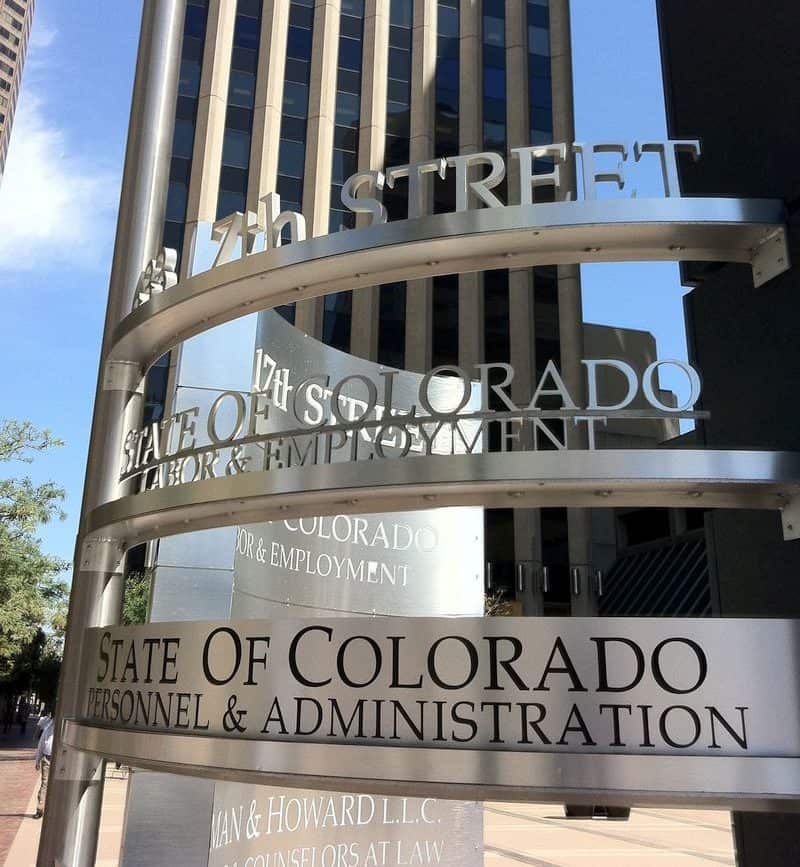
739, 96
16, 17
293, 97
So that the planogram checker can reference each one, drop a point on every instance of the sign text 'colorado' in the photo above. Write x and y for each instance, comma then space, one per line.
529, 684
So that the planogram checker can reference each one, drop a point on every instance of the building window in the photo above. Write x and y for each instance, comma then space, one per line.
444, 347
338, 307
391, 324
239, 116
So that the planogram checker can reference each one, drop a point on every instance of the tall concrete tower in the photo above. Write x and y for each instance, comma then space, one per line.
16, 17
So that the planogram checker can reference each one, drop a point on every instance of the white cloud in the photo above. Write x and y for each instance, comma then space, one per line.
42, 36
56, 206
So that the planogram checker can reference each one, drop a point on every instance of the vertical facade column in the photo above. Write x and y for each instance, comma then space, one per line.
72, 814
268, 104
522, 327
371, 150
210, 130
319, 143
470, 136
419, 293
570, 309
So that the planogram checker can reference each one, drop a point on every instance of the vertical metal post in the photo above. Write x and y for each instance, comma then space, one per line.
72, 815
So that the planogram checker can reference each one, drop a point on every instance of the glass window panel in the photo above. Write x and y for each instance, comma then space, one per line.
447, 101
400, 37
183, 138
350, 26
242, 88
494, 82
249, 7
396, 150
239, 118
398, 119
447, 74
180, 169
293, 128
290, 188
301, 16
192, 49
186, 108
447, 21
494, 31
539, 41
543, 118
345, 138
233, 179
336, 320
399, 91
299, 43
494, 8
353, 7
447, 47
494, 136
189, 82
401, 12
539, 15
173, 235
344, 165
494, 110
236, 149
541, 136
348, 108
541, 91
539, 66
246, 32
291, 159
400, 64
298, 70
348, 81
295, 99
494, 55
244, 59
177, 193
391, 325
194, 24
350, 53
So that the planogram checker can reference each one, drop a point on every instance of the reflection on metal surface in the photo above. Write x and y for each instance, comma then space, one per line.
752, 783
524, 708
671, 229
640, 477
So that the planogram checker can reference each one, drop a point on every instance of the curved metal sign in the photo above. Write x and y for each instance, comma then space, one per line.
717, 230
453, 706
619, 477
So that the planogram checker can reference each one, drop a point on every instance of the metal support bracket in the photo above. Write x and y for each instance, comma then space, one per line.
790, 519
121, 376
101, 555
771, 257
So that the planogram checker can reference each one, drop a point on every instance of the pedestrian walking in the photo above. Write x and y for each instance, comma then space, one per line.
45, 718
43, 753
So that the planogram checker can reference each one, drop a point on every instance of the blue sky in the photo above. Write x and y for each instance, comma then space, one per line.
58, 207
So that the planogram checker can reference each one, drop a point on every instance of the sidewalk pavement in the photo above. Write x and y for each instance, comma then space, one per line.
18, 782
19, 785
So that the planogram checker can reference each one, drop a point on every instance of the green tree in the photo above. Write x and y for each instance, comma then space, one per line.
32, 597
136, 598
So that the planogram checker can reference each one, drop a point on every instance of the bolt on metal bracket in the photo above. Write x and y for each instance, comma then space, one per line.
101, 555
770, 258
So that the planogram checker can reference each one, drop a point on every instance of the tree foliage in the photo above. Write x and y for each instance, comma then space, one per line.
32, 598
136, 598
